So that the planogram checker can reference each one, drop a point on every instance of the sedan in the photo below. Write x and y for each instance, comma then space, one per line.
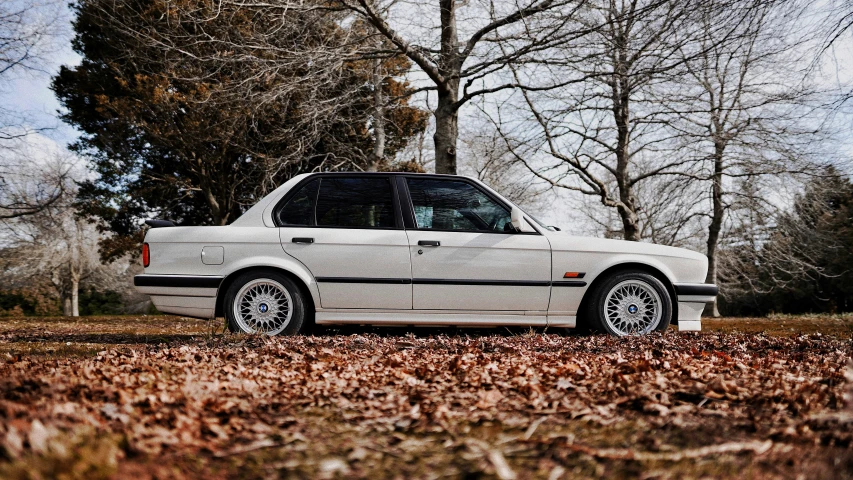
413, 249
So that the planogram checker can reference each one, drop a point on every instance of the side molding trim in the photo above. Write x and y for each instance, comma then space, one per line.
446, 281
177, 281
391, 281
569, 283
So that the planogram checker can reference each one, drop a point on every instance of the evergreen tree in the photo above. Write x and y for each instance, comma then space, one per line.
806, 263
174, 133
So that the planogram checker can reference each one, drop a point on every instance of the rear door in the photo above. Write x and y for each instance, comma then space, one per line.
466, 255
348, 231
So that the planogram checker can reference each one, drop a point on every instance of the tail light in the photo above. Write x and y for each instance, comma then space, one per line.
146, 255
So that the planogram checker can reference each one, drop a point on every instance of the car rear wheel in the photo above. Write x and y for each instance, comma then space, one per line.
265, 303
629, 303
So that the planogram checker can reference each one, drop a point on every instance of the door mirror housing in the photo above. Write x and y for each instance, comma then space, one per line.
519, 222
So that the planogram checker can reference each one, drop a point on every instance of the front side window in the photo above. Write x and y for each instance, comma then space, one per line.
357, 202
456, 205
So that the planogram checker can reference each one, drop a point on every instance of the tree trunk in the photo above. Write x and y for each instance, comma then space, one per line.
446, 131
716, 224
622, 116
378, 118
630, 227
75, 269
218, 209
446, 114
66, 306
220, 215
75, 296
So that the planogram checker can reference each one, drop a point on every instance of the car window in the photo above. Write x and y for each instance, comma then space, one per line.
456, 205
299, 210
355, 202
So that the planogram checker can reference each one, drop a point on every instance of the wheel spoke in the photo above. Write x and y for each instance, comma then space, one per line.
263, 306
632, 307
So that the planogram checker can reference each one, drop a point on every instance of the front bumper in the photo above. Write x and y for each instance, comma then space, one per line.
692, 298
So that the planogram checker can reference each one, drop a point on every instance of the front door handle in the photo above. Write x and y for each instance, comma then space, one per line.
429, 243
303, 240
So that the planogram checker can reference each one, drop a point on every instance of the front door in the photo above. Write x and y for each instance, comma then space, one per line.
466, 255
347, 230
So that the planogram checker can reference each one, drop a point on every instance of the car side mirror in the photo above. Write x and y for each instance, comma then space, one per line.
519, 222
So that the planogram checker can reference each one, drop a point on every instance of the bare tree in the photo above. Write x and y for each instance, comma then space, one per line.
458, 69
840, 22
57, 246
52, 243
669, 213
743, 109
493, 163
836, 26
65, 250
28, 34
33, 176
28, 31
605, 136
461, 69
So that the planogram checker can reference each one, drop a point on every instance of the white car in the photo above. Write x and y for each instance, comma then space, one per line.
413, 249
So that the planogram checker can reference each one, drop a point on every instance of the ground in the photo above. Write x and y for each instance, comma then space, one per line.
166, 397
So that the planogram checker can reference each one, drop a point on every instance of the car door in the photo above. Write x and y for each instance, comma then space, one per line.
466, 254
348, 231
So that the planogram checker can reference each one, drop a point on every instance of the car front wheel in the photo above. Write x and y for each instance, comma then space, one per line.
630, 303
264, 303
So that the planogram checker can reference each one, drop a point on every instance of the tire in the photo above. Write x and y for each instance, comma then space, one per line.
269, 303
629, 303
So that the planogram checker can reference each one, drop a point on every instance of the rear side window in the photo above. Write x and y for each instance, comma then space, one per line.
361, 202
299, 210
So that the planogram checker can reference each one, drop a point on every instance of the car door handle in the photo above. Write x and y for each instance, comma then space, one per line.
303, 240
429, 243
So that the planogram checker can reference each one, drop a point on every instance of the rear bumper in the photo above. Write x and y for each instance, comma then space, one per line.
692, 298
187, 295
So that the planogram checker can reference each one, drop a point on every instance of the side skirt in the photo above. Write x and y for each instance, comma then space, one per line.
437, 318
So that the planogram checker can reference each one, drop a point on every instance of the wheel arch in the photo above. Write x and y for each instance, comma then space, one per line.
296, 279
628, 266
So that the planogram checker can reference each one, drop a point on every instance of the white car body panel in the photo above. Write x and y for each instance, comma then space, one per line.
483, 257
472, 265
339, 254
178, 253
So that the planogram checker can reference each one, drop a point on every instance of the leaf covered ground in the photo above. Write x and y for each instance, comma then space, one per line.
163, 397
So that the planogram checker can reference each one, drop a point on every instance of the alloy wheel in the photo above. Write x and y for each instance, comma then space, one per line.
632, 307
263, 306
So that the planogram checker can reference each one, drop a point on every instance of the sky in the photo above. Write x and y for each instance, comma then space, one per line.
29, 93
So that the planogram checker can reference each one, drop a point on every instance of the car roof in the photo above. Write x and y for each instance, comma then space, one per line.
447, 175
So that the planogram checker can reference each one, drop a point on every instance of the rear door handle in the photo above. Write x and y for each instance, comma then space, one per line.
303, 240
429, 243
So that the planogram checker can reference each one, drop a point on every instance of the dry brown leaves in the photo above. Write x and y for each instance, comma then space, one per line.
232, 395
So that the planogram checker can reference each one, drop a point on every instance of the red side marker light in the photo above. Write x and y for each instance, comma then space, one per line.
573, 275
146, 255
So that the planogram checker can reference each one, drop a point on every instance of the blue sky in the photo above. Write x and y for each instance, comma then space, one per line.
29, 92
